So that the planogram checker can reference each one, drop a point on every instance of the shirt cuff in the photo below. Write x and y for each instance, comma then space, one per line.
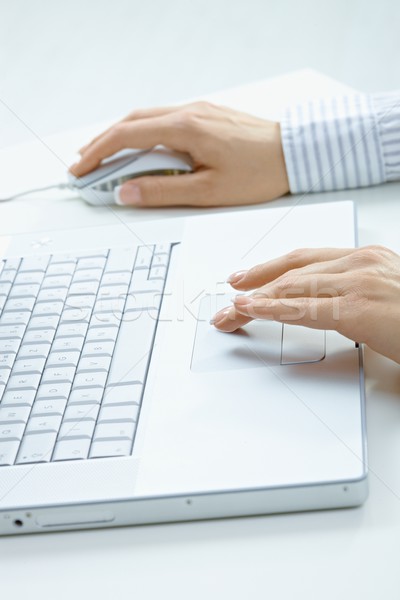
335, 143
387, 111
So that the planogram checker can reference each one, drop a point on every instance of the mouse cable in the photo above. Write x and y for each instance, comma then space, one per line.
56, 186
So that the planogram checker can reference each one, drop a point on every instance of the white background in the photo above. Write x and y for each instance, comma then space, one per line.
68, 64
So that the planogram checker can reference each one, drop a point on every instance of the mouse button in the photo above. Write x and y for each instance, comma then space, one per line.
106, 169
302, 345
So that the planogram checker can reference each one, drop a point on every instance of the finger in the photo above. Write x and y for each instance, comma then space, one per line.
314, 285
317, 313
146, 113
137, 134
166, 190
267, 272
229, 319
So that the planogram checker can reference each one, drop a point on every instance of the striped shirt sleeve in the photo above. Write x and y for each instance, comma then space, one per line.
342, 142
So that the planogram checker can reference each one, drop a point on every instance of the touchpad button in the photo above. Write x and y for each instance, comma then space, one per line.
302, 345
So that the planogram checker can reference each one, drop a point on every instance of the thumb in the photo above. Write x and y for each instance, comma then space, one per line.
167, 190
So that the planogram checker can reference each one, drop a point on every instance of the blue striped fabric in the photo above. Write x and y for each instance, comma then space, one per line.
342, 142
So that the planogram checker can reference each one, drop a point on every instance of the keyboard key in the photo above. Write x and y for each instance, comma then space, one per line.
141, 283
54, 391
15, 318
12, 263
102, 334
77, 429
52, 294
145, 301
49, 322
40, 350
158, 272
144, 257
48, 309
114, 306
39, 336
64, 258
111, 292
120, 259
82, 412
86, 396
122, 278
20, 304
87, 275
70, 257
94, 363
8, 276
43, 424
82, 288
9, 345
93, 379
5, 288
17, 414
163, 248
36, 448
61, 269
132, 366
34, 263
8, 453
58, 375
30, 365
88, 264
6, 361
97, 349
110, 448
123, 394
115, 431
72, 330
23, 382
85, 301
18, 398
106, 320
25, 291
76, 315
71, 449
68, 344
10, 332
119, 413
29, 278
4, 376
44, 408
11, 432
63, 359
160, 260
56, 281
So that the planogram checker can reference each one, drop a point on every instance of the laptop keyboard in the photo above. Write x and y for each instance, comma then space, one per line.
76, 335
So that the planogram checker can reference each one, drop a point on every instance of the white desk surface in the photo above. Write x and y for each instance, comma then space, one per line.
347, 554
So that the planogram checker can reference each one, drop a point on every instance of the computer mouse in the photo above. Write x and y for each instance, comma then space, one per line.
97, 187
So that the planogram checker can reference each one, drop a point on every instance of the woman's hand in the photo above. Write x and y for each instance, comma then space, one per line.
355, 292
238, 158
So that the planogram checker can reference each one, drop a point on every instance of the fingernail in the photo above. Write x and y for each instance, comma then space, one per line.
219, 316
236, 277
243, 299
73, 168
129, 193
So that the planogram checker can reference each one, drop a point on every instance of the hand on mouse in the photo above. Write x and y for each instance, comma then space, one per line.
356, 292
238, 158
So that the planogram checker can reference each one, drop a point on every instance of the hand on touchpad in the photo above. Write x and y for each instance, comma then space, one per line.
259, 344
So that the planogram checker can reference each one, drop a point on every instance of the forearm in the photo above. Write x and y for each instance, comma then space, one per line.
342, 142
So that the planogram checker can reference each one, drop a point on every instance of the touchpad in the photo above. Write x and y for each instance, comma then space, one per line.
258, 344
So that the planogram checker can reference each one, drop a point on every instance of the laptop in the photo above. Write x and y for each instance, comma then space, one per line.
121, 405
